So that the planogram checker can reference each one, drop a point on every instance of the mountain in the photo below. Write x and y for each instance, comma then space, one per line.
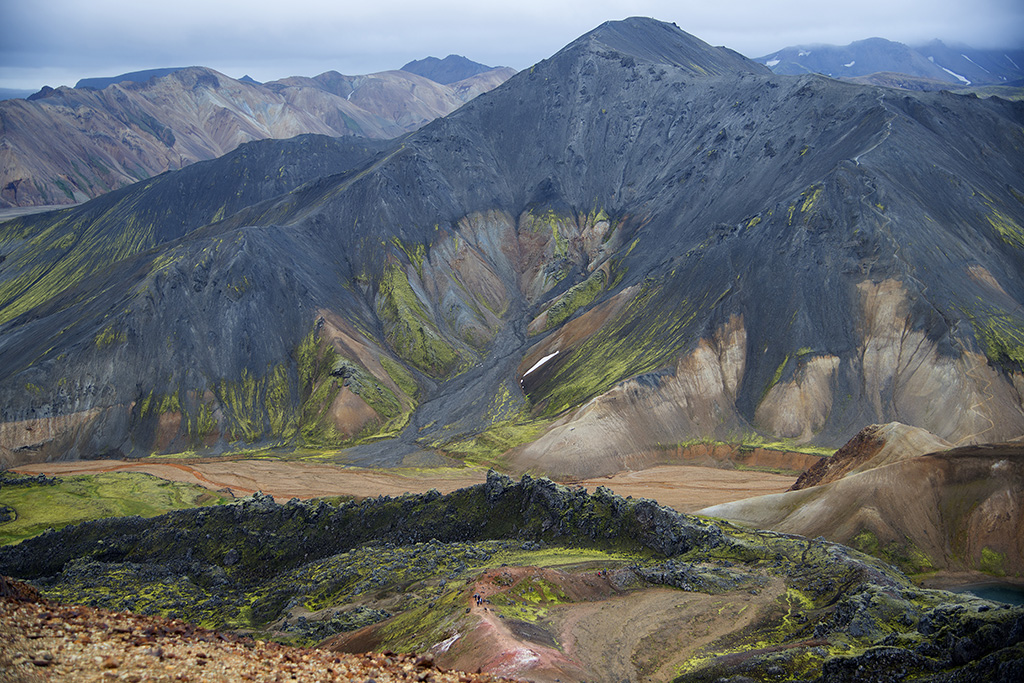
958, 66
525, 579
68, 145
688, 247
134, 77
980, 67
448, 70
909, 500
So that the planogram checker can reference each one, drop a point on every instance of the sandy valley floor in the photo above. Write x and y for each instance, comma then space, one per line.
685, 488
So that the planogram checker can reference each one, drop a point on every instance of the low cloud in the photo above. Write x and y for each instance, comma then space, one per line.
60, 41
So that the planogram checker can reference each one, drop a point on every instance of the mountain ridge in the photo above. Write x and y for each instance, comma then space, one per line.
69, 145
101, 82
934, 61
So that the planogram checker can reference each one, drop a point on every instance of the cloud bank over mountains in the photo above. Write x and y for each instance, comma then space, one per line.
57, 43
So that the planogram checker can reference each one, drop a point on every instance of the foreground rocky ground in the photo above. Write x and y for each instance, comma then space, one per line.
401, 573
42, 640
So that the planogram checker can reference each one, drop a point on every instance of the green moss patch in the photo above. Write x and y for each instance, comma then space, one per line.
410, 331
1001, 336
992, 562
906, 555
652, 330
82, 498
576, 297
487, 447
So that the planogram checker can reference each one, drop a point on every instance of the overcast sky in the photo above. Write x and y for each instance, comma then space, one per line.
57, 42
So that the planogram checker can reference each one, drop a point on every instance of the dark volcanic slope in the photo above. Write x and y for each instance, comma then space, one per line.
710, 249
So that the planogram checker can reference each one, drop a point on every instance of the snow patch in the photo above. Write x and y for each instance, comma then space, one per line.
931, 59
772, 62
955, 75
1011, 62
850, 64
541, 362
975, 63
803, 53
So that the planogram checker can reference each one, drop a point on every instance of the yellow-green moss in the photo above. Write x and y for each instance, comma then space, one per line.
416, 253
66, 250
109, 336
1007, 228
576, 297
905, 555
169, 403
651, 330
1000, 334
82, 498
400, 376
409, 329
486, 448
992, 562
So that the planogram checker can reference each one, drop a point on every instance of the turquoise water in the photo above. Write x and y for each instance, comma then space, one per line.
997, 592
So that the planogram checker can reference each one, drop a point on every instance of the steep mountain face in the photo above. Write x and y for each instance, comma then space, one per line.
920, 507
446, 71
959, 65
69, 145
640, 241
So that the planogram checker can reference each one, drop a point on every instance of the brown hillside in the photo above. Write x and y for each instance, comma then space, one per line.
959, 510
873, 446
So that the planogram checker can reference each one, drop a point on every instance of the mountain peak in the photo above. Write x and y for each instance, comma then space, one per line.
660, 42
446, 71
